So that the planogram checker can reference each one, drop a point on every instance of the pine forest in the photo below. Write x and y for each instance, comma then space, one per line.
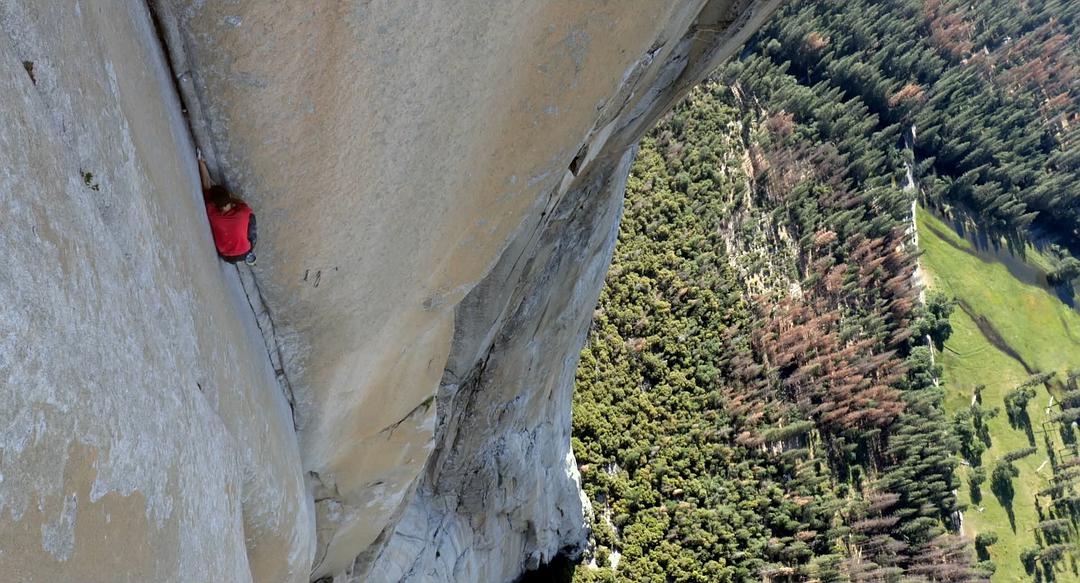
839, 338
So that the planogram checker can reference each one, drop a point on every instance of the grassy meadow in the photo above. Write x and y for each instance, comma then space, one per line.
1006, 327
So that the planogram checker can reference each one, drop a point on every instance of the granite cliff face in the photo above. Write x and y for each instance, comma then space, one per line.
143, 436
438, 187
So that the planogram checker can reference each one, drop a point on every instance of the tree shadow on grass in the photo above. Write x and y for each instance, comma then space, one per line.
1021, 420
1068, 436
1001, 484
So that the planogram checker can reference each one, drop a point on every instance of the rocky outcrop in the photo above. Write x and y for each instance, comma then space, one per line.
438, 186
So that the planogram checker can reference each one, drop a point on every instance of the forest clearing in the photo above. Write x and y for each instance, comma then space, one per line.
1040, 334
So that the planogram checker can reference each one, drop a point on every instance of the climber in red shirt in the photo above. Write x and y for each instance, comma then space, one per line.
231, 220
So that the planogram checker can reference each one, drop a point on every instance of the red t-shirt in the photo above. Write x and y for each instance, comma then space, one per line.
230, 229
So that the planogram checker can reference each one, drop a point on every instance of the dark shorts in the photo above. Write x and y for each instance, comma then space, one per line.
234, 260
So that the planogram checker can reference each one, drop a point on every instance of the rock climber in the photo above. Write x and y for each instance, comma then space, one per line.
231, 220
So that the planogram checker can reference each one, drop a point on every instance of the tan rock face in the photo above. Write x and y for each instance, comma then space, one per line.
400, 153
438, 186
142, 434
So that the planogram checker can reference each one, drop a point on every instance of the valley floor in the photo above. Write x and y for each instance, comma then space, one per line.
1006, 327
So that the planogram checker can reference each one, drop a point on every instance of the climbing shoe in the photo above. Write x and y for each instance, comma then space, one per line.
249, 259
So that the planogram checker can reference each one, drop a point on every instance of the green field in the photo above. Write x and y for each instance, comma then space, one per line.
1025, 327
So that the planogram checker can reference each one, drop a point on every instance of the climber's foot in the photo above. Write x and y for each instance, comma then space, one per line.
249, 259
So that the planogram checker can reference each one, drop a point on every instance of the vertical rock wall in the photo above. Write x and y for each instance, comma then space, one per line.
500, 494
142, 434
438, 185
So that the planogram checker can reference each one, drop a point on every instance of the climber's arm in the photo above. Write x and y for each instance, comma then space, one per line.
204, 175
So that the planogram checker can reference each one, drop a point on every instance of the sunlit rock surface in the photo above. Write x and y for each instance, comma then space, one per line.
143, 436
439, 184
438, 187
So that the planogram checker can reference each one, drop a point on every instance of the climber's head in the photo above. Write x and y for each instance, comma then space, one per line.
221, 198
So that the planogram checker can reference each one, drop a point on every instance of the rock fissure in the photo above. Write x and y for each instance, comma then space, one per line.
185, 95
273, 348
